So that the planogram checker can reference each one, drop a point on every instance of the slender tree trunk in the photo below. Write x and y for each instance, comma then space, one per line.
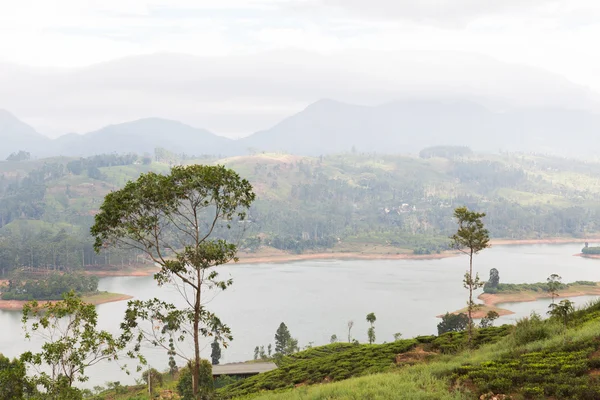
470, 308
149, 383
196, 370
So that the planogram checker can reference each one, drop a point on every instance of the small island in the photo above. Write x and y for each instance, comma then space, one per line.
495, 293
50, 287
590, 251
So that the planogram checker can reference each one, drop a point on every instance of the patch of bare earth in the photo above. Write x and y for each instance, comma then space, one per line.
418, 354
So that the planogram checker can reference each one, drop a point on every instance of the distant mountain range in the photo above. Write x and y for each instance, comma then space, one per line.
329, 126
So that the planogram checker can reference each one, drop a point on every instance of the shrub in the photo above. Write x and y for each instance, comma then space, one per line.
532, 328
155, 376
184, 385
453, 323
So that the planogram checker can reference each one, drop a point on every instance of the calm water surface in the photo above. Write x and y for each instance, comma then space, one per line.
317, 298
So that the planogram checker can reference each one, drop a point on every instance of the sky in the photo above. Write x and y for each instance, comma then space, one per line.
559, 36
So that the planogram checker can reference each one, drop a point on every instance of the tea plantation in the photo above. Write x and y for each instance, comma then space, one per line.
534, 359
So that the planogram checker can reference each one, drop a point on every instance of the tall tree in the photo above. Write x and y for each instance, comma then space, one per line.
470, 238
182, 221
371, 318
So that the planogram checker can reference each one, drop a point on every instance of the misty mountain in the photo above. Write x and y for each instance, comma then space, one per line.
237, 95
16, 135
143, 136
329, 126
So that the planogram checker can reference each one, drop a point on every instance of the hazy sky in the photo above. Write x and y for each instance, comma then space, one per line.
560, 36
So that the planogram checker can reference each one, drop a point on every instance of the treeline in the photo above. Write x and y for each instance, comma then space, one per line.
533, 287
307, 204
27, 249
92, 164
50, 286
24, 199
405, 198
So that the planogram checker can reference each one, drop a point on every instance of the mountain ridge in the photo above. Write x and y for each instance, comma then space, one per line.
331, 126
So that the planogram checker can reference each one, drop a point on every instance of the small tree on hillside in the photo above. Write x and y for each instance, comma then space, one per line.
488, 320
554, 283
172, 353
350, 325
562, 310
285, 344
215, 354
282, 338
470, 238
371, 318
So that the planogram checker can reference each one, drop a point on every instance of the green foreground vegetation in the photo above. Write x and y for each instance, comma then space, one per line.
536, 359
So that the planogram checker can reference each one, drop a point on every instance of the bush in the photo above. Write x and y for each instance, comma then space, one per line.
453, 323
157, 378
184, 385
532, 328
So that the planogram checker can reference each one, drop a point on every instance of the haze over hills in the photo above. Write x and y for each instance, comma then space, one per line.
329, 126
408, 126
143, 136
16, 135
237, 95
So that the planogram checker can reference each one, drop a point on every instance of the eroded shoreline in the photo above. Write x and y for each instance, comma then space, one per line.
95, 299
491, 301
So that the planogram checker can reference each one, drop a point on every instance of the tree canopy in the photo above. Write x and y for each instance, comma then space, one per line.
183, 221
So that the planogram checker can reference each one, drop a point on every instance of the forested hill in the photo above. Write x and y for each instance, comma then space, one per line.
336, 202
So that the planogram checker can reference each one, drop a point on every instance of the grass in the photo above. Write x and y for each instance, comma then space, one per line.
104, 297
421, 386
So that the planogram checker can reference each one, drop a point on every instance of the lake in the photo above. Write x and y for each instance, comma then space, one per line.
317, 299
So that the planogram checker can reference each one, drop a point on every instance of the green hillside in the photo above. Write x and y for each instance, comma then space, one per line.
338, 203
535, 359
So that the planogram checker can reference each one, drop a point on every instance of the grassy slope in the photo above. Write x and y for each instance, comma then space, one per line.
533, 360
